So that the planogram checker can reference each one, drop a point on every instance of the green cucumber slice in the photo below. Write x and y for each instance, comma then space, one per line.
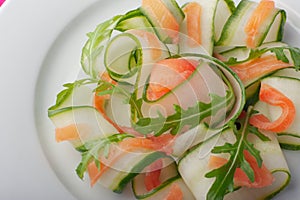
134, 20
288, 72
168, 177
191, 138
208, 10
89, 122
194, 164
123, 57
167, 174
233, 31
290, 139
224, 10
162, 32
214, 14
129, 165
128, 52
234, 25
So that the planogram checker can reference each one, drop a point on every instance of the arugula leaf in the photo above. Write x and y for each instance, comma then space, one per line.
295, 54
190, 117
224, 175
255, 131
65, 93
245, 166
91, 150
96, 44
136, 107
222, 184
105, 87
280, 55
254, 53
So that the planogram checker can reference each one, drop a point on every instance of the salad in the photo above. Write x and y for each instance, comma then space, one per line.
191, 101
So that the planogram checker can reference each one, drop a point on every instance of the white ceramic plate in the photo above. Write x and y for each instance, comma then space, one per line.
40, 47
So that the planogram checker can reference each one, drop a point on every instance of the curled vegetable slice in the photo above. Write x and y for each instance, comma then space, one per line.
260, 14
193, 13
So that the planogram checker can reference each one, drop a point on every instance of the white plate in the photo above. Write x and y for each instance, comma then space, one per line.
40, 46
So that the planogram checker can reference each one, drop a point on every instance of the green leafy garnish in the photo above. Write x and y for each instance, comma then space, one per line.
254, 53
224, 175
96, 44
190, 117
91, 150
